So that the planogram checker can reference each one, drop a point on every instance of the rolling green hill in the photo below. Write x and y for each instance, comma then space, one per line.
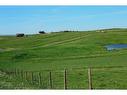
71, 50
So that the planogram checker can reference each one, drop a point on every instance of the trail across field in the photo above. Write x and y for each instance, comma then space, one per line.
66, 41
75, 38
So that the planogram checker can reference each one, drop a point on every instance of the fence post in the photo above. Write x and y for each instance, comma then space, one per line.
32, 78
15, 72
18, 72
90, 78
65, 79
39, 81
22, 76
50, 79
25, 73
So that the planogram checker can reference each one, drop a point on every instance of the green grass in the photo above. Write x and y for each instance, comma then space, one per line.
8, 81
71, 50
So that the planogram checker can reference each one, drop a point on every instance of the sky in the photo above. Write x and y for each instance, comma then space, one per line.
31, 19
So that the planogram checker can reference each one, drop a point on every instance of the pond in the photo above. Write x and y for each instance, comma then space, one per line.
116, 46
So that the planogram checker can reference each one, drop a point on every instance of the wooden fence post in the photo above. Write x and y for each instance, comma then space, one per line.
9, 74
50, 79
90, 78
15, 72
32, 78
22, 76
65, 79
39, 81
25, 75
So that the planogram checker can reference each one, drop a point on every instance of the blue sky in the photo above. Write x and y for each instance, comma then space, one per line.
31, 19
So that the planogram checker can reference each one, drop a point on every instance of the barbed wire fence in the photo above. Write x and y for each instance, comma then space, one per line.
77, 78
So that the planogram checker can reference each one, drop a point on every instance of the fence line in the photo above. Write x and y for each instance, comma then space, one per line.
24, 75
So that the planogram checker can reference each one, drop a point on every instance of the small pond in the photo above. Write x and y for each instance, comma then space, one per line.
116, 46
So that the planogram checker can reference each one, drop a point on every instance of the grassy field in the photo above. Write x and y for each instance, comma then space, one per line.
74, 51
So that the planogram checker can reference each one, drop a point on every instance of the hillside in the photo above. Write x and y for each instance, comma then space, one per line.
57, 51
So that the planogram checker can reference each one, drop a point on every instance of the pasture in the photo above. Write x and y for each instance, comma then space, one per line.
74, 51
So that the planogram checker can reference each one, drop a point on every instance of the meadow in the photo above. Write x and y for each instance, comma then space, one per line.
73, 51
